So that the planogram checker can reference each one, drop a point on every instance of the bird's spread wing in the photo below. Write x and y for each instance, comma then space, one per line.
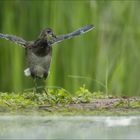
14, 39
71, 35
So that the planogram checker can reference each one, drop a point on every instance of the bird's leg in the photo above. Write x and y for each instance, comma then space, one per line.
35, 80
44, 83
35, 86
46, 91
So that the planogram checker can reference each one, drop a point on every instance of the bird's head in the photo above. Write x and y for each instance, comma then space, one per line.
47, 34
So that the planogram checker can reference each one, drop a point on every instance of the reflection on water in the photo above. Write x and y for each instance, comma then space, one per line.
58, 127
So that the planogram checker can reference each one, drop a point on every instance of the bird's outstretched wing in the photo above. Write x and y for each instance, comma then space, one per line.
72, 34
14, 39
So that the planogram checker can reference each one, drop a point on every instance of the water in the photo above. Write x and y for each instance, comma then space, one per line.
59, 127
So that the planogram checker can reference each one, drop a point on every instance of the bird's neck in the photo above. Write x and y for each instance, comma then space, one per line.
41, 48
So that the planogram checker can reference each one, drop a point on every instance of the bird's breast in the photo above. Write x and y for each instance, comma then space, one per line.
39, 58
38, 63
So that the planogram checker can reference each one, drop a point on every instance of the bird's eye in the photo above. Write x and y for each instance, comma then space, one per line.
48, 31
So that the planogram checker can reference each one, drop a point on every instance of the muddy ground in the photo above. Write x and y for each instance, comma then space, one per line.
116, 105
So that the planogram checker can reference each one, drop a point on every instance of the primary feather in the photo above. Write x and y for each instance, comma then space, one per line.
14, 39
72, 34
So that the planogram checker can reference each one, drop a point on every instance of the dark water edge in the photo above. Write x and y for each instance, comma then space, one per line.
69, 127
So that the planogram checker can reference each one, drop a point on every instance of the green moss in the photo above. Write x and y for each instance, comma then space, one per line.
59, 101
52, 97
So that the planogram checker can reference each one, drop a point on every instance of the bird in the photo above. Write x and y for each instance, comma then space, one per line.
38, 53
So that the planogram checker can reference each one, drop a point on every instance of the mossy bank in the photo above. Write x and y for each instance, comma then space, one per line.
61, 102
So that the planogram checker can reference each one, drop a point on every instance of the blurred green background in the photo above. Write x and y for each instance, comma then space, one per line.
105, 59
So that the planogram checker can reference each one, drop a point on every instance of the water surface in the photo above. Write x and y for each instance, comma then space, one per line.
60, 127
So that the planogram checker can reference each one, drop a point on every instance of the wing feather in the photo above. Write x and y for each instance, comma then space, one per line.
14, 39
72, 34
